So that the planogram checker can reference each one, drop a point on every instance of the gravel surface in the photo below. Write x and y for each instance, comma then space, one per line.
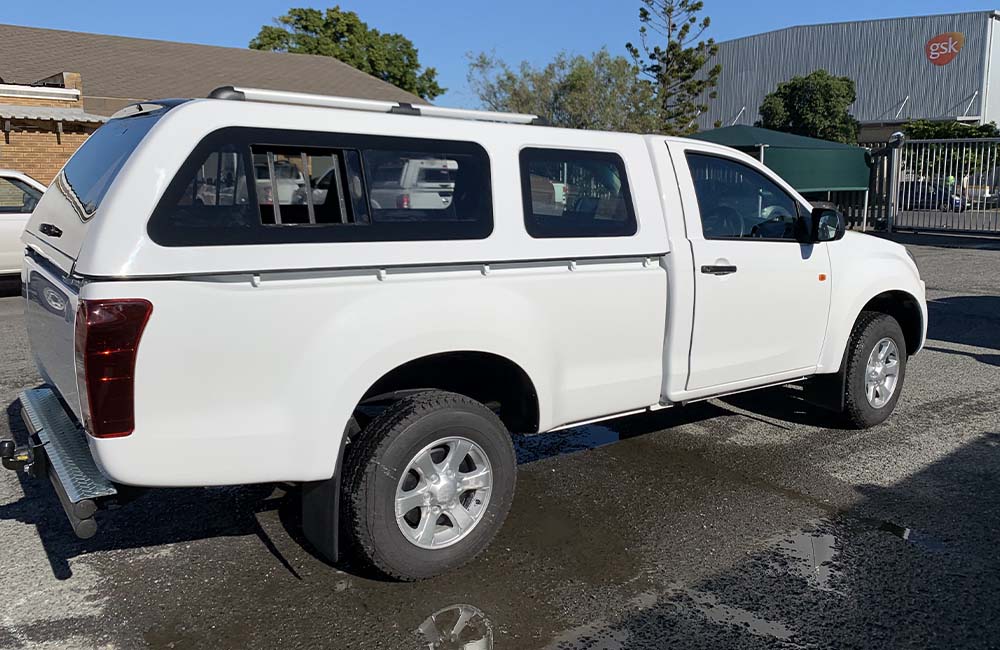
748, 522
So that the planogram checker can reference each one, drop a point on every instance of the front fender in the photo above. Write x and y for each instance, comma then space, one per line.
864, 267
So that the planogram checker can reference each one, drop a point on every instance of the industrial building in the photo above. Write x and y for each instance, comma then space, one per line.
943, 67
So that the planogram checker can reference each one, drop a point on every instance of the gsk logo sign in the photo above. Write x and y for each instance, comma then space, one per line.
943, 48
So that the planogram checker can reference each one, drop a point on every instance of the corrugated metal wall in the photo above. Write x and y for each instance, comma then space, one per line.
885, 58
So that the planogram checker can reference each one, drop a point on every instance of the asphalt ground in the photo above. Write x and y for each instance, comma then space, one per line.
749, 522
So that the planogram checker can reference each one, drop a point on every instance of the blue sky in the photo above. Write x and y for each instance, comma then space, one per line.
444, 31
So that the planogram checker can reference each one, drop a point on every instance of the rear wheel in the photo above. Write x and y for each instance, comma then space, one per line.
428, 484
876, 366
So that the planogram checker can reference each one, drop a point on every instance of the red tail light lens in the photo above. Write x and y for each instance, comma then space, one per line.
107, 340
403, 201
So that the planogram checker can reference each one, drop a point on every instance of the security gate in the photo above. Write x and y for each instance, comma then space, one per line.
941, 185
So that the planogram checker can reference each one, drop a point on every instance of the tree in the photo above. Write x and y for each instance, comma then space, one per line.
677, 67
951, 129
601, 92
815, 106
344, 36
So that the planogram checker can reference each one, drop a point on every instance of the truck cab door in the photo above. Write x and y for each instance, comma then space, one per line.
762, 298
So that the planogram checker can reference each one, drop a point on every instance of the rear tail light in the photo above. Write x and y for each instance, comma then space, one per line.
107, 340
403, 201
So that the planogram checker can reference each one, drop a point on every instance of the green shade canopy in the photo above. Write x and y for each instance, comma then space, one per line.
807, 164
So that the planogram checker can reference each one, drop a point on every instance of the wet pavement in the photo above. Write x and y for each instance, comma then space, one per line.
749, 522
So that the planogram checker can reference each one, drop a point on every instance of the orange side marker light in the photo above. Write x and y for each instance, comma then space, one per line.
822, 277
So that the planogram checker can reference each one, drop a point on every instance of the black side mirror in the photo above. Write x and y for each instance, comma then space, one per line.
827, 225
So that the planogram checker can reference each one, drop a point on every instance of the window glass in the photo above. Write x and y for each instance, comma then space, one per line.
97, 162
216, 192
296, 187
314, 187
417, 186
575, 194
737, 201
17, 197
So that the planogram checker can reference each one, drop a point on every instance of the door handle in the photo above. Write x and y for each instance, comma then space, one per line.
718, 270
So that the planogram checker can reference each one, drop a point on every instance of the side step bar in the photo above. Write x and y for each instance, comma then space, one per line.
59, 450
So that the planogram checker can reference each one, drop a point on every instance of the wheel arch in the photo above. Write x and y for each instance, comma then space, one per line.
901, 304
487, 377
905, 308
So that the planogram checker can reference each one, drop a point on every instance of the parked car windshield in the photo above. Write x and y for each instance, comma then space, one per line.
92, 169
17, 197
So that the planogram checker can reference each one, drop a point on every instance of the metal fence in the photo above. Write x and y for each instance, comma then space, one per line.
940, 185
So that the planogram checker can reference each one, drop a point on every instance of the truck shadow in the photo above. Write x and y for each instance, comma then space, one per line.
179, 515
967, 320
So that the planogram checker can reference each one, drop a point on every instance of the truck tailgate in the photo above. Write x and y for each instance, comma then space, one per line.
50, 317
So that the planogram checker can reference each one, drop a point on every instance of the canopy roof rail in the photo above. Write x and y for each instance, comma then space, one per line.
374, 106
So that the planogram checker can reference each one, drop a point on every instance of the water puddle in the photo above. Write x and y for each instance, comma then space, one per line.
708, 605
458, 627
811, 555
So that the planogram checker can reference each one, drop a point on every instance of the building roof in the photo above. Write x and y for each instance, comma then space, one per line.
751, 137
807, 164
13, 112
119, 70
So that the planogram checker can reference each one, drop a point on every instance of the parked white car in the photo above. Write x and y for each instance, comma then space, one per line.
19, 194
380, 355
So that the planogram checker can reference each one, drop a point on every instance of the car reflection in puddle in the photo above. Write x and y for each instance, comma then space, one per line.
458, 627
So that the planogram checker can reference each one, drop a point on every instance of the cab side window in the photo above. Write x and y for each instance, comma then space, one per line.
738, 202
575, 194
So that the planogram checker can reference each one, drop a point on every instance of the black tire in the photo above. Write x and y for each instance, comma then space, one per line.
870, 328
377, 459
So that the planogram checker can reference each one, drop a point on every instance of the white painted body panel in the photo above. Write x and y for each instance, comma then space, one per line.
255, 356
236, 383
863, 267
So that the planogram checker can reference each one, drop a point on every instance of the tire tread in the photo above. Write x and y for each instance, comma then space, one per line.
856, 408
370, 444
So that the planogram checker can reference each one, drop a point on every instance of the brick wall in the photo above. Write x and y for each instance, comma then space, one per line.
34, 147
38, 153
36, 101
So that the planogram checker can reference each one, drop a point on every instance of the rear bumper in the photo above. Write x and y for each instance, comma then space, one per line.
58, 449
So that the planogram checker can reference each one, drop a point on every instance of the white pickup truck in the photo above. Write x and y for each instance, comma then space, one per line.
379, 355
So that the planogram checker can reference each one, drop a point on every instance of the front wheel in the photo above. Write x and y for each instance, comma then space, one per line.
428, 484
876, 366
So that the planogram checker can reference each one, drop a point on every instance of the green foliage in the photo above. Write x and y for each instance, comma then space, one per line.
952, 129
676, 64
815, 106
344, 36
602, 92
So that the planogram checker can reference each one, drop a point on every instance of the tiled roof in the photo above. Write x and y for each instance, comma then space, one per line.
48, 113
133, 68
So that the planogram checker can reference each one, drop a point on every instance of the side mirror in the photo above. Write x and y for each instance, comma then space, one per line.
827, 225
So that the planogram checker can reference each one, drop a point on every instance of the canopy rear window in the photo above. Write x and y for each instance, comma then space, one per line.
92, 169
